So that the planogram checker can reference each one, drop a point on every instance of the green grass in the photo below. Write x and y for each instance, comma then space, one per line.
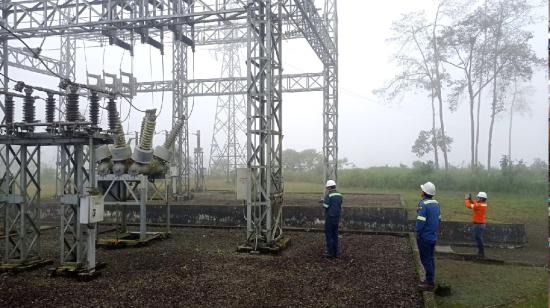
482, 285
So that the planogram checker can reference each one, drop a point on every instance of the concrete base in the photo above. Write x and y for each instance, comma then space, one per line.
25, 266
77, 271
131, 239
276, 248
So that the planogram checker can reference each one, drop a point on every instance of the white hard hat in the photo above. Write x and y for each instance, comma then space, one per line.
482, 194
428, 188
330, 183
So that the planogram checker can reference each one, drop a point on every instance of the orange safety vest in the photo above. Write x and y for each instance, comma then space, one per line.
479, 210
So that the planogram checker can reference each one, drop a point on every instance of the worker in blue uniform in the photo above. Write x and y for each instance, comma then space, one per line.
428, 217
333, 209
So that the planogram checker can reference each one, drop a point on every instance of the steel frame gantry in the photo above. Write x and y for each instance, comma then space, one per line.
261, 24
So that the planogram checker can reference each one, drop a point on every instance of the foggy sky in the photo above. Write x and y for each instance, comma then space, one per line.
371, 133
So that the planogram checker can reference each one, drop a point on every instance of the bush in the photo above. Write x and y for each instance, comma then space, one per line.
522, 180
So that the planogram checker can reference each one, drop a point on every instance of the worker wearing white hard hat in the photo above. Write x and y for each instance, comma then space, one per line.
428, 218
479, 219
333, 209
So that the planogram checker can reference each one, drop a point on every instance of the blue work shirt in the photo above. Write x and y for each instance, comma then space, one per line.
333, 204
428, 217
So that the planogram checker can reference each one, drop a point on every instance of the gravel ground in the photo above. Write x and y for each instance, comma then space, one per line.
199, 267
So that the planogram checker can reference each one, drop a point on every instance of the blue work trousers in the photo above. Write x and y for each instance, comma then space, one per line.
478, 236
331, 235
426, 249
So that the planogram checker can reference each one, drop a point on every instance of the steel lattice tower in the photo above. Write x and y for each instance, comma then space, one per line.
261, 24
227, 152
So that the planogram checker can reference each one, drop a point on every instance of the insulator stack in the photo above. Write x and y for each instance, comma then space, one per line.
112, 114
120, 141
173, 134
28, 106
8, 109
50, 108
148, 113
94, 109
72, 114
148, 131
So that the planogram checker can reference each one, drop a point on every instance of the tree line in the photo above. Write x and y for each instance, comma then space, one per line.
467, 50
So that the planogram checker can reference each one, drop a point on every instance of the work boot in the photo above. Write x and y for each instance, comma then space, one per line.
425, 286
328, 256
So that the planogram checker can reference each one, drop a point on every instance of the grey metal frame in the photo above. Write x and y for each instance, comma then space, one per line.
264, 123
265, 25
226, 151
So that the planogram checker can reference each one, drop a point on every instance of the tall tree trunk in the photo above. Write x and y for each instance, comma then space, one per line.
495, 96
438, 78
434, 135
476, 155
472, 126
512, 106
510, 132
493, 114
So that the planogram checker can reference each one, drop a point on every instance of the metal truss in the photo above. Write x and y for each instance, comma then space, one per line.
21, 182
24, 59
306, 18
264, 123
260, 23
73, 235
330, 96
31, 18
226, 151
180, 169
292, 83
200, 184
127, 190
67, 70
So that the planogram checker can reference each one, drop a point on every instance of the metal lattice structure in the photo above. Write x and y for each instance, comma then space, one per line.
264, 123
200, 184
261, 24
227, 152
22, 197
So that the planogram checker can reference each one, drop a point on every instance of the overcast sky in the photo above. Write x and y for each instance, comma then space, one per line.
371, 133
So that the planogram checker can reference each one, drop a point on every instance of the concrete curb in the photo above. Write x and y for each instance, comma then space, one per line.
428, 297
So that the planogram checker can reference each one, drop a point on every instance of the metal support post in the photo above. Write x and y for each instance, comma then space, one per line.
199, 165
330, 97
21, 212
180, 160
73, 239
68, 71
143, 207
264, 123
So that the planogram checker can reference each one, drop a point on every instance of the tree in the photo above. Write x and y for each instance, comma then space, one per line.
424, 142
419, 60
466, 52
518, 104
489, 46
511, 57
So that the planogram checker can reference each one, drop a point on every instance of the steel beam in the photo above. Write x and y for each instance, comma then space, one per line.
292, 83
43, 18
180, 163
264, 123
23, 59
21, 211
306, 18
330, 97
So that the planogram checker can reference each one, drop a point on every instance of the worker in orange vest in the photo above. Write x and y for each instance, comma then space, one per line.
479, 219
